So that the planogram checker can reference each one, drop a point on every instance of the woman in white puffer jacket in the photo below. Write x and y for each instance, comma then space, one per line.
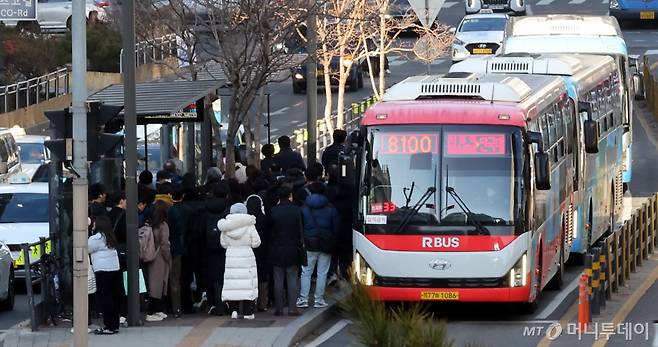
239, 236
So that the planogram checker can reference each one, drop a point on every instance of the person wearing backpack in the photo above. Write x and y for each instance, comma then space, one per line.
320, 220
215, 255
159, 267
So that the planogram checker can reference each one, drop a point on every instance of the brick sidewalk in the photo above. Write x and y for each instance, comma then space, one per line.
188, 331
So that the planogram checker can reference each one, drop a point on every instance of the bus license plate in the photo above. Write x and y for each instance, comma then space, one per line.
482, 51
439, 296
647, 15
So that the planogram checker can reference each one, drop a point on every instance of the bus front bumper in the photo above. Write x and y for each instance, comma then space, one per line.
516, 294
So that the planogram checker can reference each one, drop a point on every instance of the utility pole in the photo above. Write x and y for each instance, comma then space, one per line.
130, 131
311, 84
80, 198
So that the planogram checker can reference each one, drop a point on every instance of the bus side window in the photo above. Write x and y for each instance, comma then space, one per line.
544, 132
570, 137
552, 136
559, 126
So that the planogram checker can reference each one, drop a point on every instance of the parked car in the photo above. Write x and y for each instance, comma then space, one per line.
7, 279
33, 152
24, 217
479, 34
56, 15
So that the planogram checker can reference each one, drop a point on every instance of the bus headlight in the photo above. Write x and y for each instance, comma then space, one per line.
518, 275
362, 270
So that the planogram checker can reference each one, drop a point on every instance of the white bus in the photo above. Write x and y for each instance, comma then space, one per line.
597, 176
579, 34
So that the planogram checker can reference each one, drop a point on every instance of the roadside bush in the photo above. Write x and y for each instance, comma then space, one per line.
379, 326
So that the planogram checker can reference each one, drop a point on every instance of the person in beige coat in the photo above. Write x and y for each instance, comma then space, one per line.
239, 236
158, 269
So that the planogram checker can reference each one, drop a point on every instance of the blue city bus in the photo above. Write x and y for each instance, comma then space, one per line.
575, 34
594, 95
633, 10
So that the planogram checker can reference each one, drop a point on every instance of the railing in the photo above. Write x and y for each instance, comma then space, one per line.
153, 51
42, 309
34, 90
610, 263
324, 137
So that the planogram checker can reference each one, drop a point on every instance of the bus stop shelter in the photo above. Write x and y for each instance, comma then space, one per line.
164, 103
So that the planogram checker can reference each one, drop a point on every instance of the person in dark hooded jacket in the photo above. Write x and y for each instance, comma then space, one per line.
216, 209
320, 221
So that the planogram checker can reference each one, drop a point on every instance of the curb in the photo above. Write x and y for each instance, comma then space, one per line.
304, 325
309, 322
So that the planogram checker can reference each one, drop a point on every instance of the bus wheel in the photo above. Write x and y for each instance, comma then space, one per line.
558, 280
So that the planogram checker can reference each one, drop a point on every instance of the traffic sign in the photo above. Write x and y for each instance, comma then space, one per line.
426, 10
18, 9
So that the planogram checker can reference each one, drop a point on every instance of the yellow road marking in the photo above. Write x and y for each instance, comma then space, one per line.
568, 316
630, 303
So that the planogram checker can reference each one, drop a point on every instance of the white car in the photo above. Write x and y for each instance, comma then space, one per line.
517, 7
7, 279
24, 213
55, 15
479, 34
32, 151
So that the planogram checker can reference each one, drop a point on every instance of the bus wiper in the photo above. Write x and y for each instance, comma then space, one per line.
411, 193
410, 214
469, 214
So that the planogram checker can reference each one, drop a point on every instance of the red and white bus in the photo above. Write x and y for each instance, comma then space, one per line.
456, 198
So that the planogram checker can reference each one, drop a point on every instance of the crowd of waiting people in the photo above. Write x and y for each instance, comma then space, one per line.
232, 246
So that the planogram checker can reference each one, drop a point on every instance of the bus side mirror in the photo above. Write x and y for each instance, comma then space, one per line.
591, 131
542, 171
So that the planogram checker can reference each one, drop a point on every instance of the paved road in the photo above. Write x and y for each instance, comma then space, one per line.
289, 110
20, 313
493, 325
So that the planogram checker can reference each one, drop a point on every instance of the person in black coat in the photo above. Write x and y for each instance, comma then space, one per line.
287, 158
341, 196
330, 154
256, 208
216, 209
285, 240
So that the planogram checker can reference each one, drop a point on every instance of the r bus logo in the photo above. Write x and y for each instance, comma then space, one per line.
440, 242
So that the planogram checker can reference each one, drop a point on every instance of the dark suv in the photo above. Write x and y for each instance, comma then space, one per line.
354, 80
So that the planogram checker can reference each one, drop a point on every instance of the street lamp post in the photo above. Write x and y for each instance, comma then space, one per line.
311, 84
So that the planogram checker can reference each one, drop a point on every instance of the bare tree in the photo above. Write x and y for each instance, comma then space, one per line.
244, 37
381, 37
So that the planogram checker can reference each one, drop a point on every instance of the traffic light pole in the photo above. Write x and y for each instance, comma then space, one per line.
130, 131
80, 198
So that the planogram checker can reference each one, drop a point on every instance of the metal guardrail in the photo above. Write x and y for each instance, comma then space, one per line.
34, 90
55, 84
324, 136
147, 52
37, 309
610, 263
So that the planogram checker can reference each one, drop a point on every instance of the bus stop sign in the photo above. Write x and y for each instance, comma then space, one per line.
18, 9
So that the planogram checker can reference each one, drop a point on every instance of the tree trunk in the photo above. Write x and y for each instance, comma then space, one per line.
340, 103
328, 106
382, 56
258, 128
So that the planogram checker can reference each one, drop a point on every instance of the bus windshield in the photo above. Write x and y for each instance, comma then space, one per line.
445, 180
